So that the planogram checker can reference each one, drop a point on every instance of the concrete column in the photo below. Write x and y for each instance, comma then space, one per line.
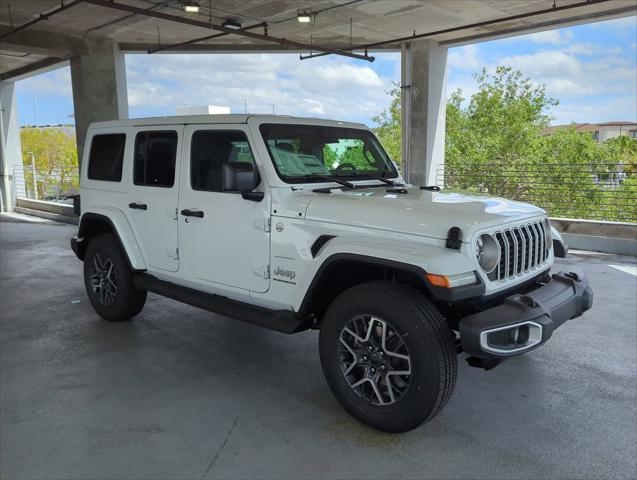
423, 100
99, 87
10, 147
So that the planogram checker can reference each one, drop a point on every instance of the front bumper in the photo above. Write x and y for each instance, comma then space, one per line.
526, 321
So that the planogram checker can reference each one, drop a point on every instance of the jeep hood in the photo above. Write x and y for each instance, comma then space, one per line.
419, 212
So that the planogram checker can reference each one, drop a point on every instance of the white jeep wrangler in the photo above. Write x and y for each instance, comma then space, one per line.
295, 223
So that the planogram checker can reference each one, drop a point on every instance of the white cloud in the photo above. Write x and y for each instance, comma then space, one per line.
327, 87
565, 74
622, 108
465, 58
549, 36
594, 81
56, 82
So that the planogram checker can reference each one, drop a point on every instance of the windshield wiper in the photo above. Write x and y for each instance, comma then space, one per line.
340, 181
377, 177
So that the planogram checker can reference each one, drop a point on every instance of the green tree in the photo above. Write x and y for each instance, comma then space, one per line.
624, 149
55, 154
494, 144
388, 129
489, 141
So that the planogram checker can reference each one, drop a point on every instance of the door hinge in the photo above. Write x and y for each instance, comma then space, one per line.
262, 271
176, 213
267, 228
262, 224
173, 254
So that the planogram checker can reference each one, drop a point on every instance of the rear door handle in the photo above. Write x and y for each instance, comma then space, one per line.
138, 206
192, 213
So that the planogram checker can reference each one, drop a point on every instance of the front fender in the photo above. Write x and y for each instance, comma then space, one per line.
415, 258
432, 258
121, 229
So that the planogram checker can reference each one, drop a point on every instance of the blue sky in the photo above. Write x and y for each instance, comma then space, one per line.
591, 69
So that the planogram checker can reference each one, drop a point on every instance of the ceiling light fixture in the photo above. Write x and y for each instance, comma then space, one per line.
231, 24
304, 16
190, 6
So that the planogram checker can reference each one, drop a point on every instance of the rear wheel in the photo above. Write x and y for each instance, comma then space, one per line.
109, 280
388, 356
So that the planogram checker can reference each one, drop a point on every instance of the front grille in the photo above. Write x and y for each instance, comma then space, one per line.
521, 250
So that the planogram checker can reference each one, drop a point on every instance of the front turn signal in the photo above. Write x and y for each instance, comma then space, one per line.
450, 281
438, 280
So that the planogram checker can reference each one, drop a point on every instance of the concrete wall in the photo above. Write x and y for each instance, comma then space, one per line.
99, 87
49, 210
10, 147
595, 236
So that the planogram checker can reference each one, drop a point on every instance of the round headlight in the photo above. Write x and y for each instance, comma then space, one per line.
548, 239
487, 252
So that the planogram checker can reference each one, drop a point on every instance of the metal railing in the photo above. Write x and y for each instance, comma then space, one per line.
605, 192
55, 185
595, 192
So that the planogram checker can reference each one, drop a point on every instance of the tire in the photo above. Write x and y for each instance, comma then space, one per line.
112, 295
426, 339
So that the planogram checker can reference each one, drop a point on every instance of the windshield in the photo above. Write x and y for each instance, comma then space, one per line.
306, 153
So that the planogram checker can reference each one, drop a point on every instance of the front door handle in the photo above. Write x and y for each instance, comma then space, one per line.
192, 213
138, 206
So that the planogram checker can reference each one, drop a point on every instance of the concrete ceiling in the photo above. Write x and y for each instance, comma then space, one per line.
73, 30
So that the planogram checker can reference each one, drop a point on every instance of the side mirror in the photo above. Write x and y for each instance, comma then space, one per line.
239, 177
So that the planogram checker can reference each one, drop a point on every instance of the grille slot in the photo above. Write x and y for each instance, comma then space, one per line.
521, 250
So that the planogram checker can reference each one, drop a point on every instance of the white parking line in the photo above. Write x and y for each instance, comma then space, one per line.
631, 269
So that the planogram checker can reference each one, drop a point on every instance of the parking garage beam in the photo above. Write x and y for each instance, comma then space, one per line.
423, 100
99, 87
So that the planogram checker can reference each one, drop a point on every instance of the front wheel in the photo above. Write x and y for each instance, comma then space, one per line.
109, 280
388, 356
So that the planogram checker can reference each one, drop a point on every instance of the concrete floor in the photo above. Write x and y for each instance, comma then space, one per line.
180, 393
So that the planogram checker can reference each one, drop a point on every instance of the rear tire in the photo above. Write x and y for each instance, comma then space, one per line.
109, 280
406, 333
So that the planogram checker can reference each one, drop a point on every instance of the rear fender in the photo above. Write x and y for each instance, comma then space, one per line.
121, 229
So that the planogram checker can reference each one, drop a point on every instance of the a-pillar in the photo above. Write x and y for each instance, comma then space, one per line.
423, 100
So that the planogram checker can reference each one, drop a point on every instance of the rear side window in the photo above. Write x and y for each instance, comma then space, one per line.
210, 150
106, 157
155, 154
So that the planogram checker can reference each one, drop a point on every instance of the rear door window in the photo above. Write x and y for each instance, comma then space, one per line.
106, 157
155, 154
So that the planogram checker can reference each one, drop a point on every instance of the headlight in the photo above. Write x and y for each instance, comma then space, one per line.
487, 252
548, 239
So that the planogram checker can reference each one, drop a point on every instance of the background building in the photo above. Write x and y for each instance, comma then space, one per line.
600, 131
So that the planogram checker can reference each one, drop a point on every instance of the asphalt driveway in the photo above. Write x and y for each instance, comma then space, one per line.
182, 393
